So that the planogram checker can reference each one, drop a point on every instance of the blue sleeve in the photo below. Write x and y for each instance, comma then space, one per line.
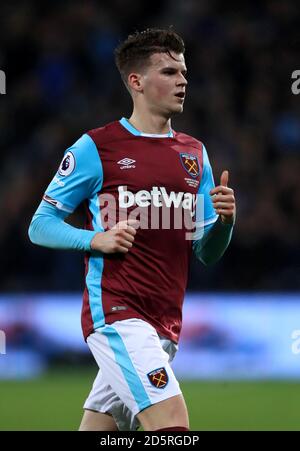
48, 229
214, 242
205, 213
79, 176
211, 237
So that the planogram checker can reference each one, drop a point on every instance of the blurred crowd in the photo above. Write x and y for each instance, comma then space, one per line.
62, 81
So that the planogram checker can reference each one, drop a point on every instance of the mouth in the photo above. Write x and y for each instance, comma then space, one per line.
180, 96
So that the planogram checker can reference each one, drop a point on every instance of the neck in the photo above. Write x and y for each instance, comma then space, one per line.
150, 123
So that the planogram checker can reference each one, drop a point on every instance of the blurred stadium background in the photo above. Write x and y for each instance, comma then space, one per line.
239, 358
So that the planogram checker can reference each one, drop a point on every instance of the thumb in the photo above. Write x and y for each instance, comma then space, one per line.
224, 178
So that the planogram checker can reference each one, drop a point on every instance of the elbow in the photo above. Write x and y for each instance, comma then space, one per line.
206, 258
208, 261
32, 232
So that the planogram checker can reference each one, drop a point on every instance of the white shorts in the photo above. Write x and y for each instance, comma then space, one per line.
134, 372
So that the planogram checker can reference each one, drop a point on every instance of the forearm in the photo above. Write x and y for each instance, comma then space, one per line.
48, 229
210, 248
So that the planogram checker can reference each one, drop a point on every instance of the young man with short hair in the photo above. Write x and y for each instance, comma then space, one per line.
138, 179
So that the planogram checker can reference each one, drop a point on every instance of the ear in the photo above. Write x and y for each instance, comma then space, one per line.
135, 81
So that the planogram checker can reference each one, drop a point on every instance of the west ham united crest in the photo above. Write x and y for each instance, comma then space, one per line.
190, 164
158, 378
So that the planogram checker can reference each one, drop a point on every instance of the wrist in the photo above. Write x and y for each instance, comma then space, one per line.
95, 243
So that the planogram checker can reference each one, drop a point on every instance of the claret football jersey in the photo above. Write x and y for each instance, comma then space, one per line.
120, 173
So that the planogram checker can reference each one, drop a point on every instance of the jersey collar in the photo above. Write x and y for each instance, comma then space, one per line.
136, 132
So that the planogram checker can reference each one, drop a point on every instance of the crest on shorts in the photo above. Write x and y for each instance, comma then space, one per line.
190, 164
158, 378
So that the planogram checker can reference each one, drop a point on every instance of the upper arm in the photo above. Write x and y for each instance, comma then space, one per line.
79, 176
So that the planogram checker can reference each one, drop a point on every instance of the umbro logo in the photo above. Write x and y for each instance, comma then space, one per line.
126, 163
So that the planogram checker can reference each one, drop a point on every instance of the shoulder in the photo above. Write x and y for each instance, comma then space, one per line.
79, 150
189, 140
110, 132
84, 153
80, 157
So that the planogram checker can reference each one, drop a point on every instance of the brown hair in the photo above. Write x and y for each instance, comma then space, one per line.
134, 52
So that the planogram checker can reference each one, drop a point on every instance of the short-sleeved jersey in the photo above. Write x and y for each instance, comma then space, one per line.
119, 172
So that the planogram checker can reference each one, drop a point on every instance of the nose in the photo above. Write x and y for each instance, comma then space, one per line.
182, 81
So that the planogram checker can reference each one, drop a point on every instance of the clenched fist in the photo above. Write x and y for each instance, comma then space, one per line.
119, 239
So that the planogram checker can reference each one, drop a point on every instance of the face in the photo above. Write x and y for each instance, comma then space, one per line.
163, 84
